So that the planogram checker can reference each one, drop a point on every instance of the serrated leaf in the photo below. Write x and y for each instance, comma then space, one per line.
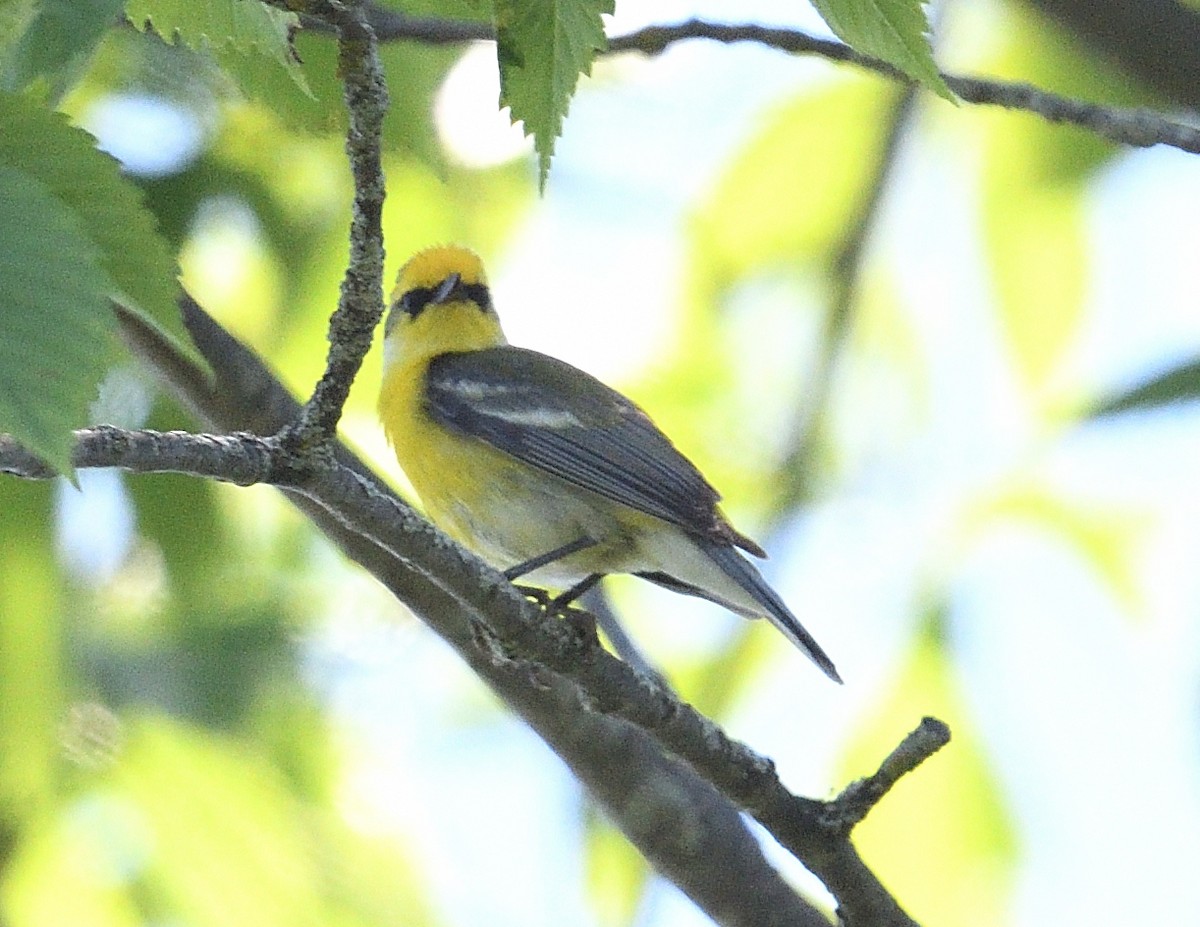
88, 183
58, 43
1181, 384
895, 31
542, 47
56, 327
222, 27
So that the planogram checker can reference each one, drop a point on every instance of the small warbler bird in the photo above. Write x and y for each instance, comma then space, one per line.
543, 470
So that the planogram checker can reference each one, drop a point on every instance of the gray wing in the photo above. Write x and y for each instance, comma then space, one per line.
561, 420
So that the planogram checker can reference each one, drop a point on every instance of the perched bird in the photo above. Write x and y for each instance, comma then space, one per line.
543, 470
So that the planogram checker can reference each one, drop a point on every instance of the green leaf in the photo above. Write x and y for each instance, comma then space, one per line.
542, 47
59, 43
224, 28
895, 31
229, 842
1181, 384
56, 328
43, 145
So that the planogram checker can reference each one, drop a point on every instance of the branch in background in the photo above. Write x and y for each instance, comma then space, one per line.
1157, 41
797, 468
1139, 128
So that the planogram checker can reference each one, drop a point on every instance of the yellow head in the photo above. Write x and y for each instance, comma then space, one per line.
441, 303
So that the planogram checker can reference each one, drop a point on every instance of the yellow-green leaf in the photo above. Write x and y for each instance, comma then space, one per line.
223, 27
894, 31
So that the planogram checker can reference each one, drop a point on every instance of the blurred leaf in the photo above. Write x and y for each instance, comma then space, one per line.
108, 208
542, 47
59, 42
792, 191
15, 17
56, 328
83, 848
226, 842
1034, 179
1178, 385
891, 30
223, 27
617, 875
193, 548
193, 829
1106, 539
32, 683
947, 816
1038, 250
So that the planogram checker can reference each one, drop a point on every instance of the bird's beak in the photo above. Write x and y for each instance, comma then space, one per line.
447, 289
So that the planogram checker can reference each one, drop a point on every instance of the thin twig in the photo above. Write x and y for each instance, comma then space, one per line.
858, 798
360, 306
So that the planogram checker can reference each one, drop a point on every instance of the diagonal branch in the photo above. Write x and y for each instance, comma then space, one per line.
520, 650
1140, 128
682, 825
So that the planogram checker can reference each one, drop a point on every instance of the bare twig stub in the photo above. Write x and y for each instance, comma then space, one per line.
860, 797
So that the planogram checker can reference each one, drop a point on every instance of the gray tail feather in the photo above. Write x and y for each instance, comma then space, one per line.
746, 575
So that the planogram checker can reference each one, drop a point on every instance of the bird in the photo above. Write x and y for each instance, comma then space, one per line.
541, 469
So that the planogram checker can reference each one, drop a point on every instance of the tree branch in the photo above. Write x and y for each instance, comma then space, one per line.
1137, 127
520, 650
682, 825
243, 459
1140, 128
796, 470
1157, 41
858, 798
360, 305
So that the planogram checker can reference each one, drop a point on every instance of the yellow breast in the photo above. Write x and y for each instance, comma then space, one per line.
483, 498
